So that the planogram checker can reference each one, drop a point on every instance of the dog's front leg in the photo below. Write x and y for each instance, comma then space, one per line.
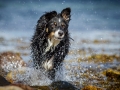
51, 74
49, 64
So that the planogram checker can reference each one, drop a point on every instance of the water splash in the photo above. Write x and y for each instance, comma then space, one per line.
29, 76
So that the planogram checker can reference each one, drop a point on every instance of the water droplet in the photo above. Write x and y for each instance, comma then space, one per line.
63, 2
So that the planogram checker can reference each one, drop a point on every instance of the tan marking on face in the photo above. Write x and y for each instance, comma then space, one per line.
46, 29
55, 23
51, 35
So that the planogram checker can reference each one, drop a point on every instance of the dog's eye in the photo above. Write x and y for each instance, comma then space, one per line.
55, 23
63, 25
53, 26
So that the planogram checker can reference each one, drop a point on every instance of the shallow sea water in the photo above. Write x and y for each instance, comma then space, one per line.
77, 67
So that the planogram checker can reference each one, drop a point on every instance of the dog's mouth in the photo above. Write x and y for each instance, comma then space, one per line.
58, 38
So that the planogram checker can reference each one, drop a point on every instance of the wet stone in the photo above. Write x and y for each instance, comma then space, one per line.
16, 87
10, 61
63, 85
3, 81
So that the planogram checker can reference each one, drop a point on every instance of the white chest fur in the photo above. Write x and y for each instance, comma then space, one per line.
48, 64
52, 44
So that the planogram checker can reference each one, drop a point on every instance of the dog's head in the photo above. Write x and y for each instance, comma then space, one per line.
57, 25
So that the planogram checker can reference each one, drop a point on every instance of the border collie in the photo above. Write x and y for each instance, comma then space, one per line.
50, 42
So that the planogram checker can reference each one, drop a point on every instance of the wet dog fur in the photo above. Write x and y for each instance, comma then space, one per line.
50, 42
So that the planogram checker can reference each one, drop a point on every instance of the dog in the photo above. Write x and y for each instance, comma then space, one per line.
51, 41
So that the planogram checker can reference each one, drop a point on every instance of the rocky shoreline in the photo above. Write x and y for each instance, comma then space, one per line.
8, 81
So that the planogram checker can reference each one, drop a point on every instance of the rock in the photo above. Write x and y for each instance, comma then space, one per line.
10, 61
24, 87
5, 85
113, 79
14, 75
10, 88
3, 81
90, 87
57, 85
42, 88
102, 58
16, 87
112, 74
101, 41
63, 85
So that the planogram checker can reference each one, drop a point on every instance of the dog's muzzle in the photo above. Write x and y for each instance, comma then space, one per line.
59, 34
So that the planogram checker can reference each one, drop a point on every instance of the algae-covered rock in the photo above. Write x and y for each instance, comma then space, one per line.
113, 79
102, 58
90, 87
100, 41
112, 74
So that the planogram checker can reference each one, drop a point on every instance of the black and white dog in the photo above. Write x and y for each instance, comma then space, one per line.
50, 43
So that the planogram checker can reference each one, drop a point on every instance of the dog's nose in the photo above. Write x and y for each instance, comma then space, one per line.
60, 33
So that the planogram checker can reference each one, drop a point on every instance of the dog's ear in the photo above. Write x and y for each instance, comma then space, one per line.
66, 14
50, 15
